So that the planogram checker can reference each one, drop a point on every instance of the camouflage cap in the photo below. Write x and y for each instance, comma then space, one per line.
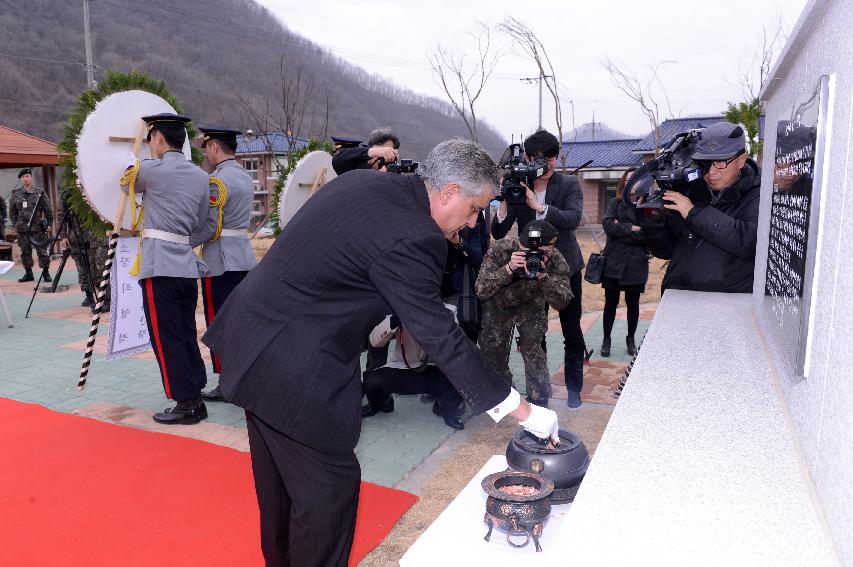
721, 140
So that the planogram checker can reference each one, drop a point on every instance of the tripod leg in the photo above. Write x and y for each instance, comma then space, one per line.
55, 285
35, 291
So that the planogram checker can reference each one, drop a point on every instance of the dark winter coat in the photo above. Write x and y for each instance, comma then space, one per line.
625, 255
564, 198
714, 248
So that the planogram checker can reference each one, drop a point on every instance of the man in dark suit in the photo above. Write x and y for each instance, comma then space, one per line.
289, 337
558, 199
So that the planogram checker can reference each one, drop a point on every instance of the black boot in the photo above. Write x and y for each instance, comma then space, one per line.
45, 275
632, 347
214, 395
184, 413
605, 347
28, 276
88, 301
368, 409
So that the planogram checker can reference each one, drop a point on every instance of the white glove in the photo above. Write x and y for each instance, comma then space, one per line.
130, 161
542, 423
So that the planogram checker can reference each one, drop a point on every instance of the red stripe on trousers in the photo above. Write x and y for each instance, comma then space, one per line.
158, 344
211, 313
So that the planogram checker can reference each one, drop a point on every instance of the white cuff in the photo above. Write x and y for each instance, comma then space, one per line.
543, 214
509, 405
499, 217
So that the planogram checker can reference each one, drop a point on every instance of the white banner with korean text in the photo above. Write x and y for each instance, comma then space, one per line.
128, 329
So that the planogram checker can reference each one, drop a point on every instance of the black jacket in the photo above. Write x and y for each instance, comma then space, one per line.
714, 248
625, 254
289, 336
348, 159
564, 198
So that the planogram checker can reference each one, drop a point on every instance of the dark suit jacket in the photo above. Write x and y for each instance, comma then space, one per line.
564, 198
290, 334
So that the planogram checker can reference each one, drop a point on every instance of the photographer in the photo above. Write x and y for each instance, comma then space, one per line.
408, 371
709, 237
383, 147
558, 199
516, 290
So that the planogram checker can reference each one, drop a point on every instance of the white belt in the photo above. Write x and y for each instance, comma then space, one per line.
167, 236
234, 232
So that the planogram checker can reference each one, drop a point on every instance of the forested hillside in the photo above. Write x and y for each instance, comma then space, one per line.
228, 61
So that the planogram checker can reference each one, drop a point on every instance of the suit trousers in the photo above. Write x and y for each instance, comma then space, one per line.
380, 383
169, 305
214, 291
573, 341
307, 499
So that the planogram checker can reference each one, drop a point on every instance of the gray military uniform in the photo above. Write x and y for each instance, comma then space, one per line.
233, 251
175, 194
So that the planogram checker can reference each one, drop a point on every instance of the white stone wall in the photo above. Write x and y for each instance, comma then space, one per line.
821, 405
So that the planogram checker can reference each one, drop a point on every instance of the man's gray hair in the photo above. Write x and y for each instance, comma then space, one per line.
463, 162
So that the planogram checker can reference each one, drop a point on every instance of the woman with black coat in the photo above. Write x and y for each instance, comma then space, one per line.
626, 265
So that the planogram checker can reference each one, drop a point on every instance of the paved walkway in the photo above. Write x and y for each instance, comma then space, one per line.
40, 362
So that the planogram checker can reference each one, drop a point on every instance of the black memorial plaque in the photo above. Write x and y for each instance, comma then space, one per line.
794, 218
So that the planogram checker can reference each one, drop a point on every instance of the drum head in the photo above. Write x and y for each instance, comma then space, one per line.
100, 162
315, 166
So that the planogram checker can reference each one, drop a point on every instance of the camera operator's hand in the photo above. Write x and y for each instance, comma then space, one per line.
390, 155
675, 201
66, 243
636, 228
532, 202
516, 261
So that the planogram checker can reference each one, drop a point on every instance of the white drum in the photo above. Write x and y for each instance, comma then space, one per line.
100, 161
312, 172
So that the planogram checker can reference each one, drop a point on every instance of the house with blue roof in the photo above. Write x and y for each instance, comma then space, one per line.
263, 156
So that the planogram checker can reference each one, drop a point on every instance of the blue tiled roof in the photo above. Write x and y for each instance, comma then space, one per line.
261, 143
612, 153
673, 126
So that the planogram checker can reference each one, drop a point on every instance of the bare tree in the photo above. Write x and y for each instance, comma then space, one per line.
463, 84
524, 37
642, 93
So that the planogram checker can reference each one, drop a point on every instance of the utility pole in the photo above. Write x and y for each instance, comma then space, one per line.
90, 68
539, 79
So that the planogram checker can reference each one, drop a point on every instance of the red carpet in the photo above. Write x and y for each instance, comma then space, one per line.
76, 491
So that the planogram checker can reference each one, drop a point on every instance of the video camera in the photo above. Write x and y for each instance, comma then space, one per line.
674, 168
402, 166
533, 256
518, 174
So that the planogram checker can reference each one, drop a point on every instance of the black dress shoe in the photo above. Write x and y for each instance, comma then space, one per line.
184, 413
368, 409
632, 346
214, 395
45, 276
605, 347
450, 419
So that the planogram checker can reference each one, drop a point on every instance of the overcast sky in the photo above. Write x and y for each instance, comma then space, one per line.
703, 46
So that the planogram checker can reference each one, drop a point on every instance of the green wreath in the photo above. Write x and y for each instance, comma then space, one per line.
293, 158
113, 82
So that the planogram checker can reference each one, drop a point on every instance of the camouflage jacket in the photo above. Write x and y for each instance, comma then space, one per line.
22, 205
495, 284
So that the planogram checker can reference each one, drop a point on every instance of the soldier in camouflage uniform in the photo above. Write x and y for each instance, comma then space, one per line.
2, 219
510, 299
24, 203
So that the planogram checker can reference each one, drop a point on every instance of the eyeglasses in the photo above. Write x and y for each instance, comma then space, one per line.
719, 163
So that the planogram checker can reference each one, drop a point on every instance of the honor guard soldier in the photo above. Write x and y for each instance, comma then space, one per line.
30, 213
175, 200
227, 250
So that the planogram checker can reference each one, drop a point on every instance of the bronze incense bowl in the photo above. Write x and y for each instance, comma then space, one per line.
518, 504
